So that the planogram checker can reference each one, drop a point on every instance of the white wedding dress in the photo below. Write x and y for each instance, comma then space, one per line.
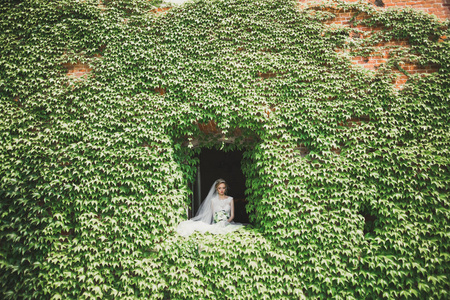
211, 217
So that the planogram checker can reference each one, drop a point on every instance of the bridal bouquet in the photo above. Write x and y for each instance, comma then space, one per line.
220, 216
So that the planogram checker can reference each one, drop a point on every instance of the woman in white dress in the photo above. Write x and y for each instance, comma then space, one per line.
215, 215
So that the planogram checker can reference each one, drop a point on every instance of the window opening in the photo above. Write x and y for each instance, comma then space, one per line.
216, 164
369, 220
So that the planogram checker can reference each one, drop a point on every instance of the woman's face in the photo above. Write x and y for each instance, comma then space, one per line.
221, 188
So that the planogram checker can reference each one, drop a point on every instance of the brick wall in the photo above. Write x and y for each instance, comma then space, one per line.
440, 8
77, 70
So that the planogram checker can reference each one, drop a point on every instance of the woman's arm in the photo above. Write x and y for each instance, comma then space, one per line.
232, 211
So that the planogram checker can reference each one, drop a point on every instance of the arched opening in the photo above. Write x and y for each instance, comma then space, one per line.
216, 164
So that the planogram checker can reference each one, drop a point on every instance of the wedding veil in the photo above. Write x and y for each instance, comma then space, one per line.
205, 211
203, 220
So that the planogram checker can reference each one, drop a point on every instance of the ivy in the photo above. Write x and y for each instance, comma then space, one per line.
347, 176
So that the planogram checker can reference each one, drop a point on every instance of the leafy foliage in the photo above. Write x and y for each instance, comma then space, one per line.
347, 177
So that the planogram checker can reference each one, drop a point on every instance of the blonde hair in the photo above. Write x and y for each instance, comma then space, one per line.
220, 181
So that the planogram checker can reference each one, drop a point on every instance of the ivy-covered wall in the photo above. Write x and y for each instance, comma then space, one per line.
439, 8
347, 175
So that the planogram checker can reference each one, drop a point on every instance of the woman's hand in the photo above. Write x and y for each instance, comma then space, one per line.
232, 212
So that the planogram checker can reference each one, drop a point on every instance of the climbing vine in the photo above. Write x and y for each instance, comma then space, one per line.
347, 176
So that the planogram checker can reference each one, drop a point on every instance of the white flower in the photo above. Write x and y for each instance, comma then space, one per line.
220, 216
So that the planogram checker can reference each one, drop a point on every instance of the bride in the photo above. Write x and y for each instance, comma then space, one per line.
215, 215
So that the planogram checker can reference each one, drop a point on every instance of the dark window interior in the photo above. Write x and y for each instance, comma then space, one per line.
216, 164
